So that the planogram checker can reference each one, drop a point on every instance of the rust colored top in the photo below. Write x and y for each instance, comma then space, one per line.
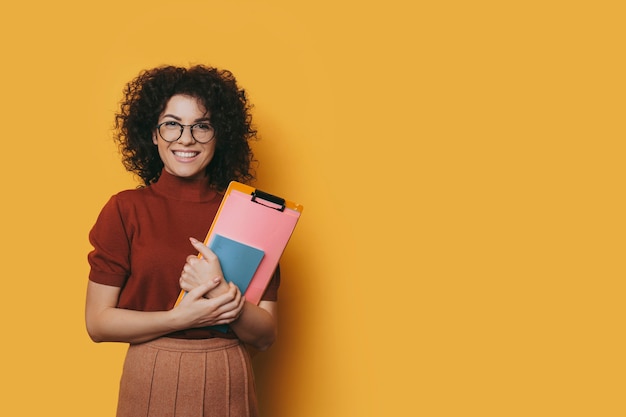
141, 242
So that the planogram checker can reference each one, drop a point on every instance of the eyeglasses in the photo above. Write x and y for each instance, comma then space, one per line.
171, 131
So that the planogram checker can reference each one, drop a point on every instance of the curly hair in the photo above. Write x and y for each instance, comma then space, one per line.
145, 98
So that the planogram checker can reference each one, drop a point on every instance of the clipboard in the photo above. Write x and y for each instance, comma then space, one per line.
258, 220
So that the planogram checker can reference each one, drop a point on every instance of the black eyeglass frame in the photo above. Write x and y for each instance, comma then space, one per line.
182, 129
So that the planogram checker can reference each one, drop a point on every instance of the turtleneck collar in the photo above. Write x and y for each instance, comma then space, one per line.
184, 189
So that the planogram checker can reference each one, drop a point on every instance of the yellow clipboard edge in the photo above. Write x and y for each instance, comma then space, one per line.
246, 189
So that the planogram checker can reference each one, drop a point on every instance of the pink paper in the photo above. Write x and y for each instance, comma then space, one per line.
261, 227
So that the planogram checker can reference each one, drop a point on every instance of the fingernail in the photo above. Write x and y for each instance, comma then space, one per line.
193, 240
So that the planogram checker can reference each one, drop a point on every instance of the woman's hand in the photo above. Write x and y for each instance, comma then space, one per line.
211, 300
107, 323
196, 311
198, 271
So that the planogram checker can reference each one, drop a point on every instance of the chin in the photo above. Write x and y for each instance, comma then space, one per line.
190, 174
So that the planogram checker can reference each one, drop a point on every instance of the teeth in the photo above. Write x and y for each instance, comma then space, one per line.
185, 154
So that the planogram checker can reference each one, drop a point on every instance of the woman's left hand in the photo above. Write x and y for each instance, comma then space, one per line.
200, 270
253, 324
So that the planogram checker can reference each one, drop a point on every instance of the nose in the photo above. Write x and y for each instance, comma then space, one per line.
186, 138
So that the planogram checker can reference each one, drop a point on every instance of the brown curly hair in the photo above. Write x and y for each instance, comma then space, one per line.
145, 98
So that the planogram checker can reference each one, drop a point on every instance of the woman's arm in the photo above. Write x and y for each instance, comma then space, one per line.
257, 325
107, 323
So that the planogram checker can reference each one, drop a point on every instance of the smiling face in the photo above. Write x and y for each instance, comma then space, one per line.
185, 157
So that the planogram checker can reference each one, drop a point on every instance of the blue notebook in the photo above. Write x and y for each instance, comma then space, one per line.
239, 262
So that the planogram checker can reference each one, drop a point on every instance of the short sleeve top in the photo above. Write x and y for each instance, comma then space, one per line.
141, 242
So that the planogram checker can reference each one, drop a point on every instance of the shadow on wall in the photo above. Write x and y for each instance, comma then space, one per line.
279, 371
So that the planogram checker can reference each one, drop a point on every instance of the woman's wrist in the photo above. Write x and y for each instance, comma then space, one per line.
220, 289
174, 320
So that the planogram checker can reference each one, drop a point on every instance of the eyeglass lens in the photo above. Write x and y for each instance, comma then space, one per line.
172, 131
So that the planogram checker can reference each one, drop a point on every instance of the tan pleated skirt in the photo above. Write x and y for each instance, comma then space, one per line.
187, 378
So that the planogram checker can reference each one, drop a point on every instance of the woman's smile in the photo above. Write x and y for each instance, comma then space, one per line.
184, 157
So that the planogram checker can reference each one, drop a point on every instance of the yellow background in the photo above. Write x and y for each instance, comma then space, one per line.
461, 164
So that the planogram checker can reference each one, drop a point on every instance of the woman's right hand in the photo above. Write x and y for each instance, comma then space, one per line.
201, 269
108, 323
195, 310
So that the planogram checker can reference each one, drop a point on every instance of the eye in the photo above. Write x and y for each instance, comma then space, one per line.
171, 125
204, 127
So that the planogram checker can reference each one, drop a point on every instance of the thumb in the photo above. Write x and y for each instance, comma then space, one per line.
200, 290
202, 248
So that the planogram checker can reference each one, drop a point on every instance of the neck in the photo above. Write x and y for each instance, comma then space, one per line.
188, 189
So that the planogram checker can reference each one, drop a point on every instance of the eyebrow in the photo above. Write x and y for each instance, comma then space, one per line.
201, 119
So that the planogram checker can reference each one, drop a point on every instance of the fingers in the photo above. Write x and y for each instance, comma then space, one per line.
232, 311
222, 309
238, 310
203, 249
188, 286
232, 300
199, 291
199, 269
228, 296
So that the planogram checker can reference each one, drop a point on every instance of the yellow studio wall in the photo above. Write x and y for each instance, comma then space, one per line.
461, 165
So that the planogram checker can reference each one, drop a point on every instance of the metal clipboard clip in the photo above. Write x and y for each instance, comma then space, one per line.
276, 203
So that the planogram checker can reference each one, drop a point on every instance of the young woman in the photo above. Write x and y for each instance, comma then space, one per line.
185, 133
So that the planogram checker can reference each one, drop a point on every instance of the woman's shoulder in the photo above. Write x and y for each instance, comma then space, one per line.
130, 197
133, 193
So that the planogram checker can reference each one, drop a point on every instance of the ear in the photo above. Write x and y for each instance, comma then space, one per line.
155, 140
